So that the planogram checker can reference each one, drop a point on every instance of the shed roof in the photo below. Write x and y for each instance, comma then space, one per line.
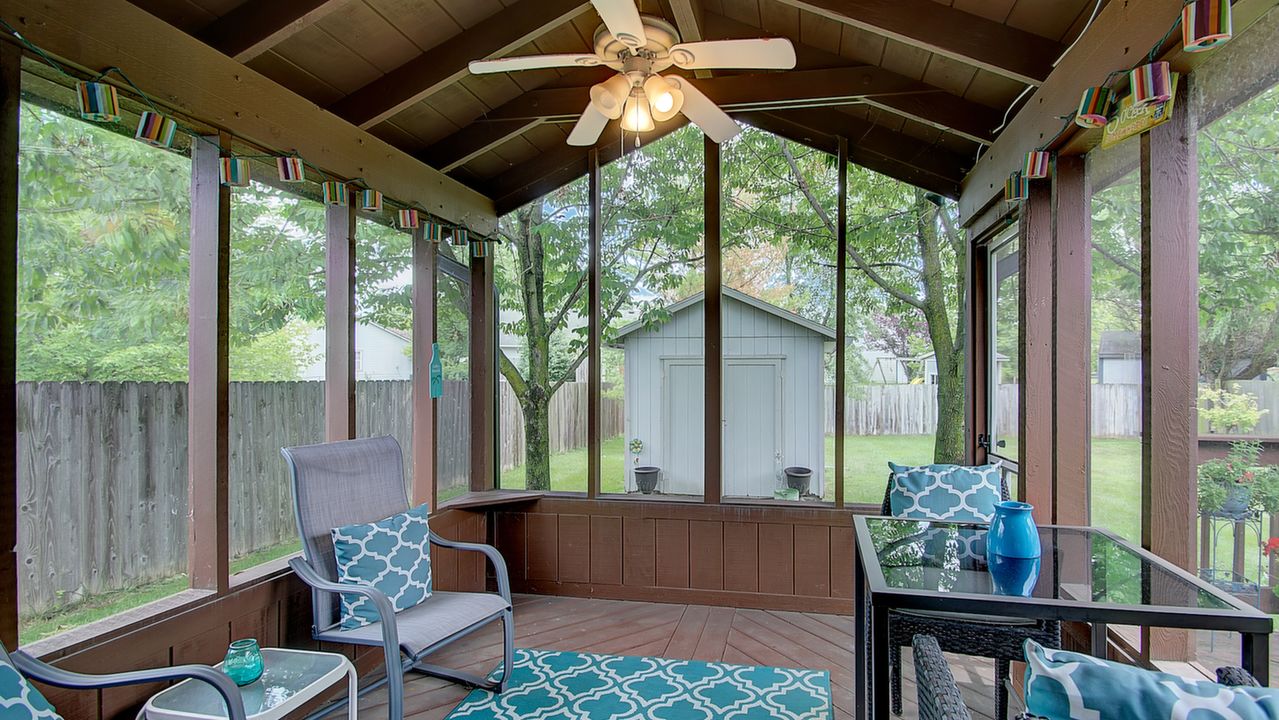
693, 300
1119, 343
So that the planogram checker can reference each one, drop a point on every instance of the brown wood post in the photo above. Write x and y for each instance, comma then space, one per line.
339, 322
841, 317
10, 101
1034, 349
977, 352
1071, 340
1170, 349
208, 444
713, 352
424, 262
594, 367
483, 378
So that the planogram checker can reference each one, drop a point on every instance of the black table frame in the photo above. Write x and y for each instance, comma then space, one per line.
874, 599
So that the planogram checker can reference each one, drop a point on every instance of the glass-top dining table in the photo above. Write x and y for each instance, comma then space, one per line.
1084, 574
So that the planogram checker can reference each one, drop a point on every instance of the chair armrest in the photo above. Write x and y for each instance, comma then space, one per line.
939, 696
50, 675
1236, 677
495, 557
381, 603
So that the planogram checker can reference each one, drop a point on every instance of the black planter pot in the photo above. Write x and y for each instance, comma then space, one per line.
647, 477
798, 478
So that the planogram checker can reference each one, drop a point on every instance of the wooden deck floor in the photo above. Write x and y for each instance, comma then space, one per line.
754, 637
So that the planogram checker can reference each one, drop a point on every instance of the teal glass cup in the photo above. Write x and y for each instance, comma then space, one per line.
243, 662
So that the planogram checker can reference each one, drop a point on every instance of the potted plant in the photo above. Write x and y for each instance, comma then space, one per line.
1236, 486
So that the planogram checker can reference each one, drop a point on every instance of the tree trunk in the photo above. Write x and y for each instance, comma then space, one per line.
948, 445
537, 440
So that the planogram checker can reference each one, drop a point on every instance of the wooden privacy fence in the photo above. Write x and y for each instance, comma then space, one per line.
567, 421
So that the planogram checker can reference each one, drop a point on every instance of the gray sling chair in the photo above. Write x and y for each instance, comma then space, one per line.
362, 481
33, 669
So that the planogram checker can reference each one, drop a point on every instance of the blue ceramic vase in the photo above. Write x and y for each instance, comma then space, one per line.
1013, 533
1013, 576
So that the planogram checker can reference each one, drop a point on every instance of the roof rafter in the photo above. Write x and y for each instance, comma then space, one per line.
445, 64
255, 27
968, 38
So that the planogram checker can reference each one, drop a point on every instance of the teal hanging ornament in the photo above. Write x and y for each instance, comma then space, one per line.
437, 372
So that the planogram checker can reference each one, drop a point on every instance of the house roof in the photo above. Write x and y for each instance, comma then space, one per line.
1119, 343
741, 297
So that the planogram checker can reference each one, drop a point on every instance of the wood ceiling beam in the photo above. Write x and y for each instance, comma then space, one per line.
445, 64
256, 26
472, 141
875, 148
971, 39
796, 88
552, 170
932, 106
687, 15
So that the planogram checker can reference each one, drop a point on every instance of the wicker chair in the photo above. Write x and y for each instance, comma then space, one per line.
998, 638
940, 698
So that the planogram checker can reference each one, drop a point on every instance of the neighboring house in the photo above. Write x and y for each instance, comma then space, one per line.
381, 353
773, 389
1119, 358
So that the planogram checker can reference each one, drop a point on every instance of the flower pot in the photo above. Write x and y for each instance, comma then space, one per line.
647, 477
1236, 502
798, 478
1013, 533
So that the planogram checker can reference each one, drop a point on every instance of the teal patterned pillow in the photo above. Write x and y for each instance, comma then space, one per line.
392, 555
20, 700
1062, 685
945, 492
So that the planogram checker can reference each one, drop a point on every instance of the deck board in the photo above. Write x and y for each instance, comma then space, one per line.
620, 627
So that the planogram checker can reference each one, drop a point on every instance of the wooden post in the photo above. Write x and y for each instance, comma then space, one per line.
594, 367
1170, 349
424, 262
977, 352
483, 368
1034, 349
713, 352
339, 322
1071, 341
841, 317
10, 99
208, 445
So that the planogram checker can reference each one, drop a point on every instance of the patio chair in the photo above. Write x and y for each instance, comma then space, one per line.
361, 481
998, 638
940, 699
33, 669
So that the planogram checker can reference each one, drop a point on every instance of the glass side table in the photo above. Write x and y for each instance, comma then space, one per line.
289, 679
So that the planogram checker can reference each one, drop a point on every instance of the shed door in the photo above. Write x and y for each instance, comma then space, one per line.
752, 427
684, 419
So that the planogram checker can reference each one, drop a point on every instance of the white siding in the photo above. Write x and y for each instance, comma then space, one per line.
748, 333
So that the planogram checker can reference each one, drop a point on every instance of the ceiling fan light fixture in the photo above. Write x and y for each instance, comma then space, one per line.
609, 97
637, 116
682, 56
665, 99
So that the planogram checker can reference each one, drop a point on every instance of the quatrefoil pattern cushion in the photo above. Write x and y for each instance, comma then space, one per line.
945, 492
20, 700
391, 555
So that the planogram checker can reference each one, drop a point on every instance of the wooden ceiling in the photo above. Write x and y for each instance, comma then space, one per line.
915, 85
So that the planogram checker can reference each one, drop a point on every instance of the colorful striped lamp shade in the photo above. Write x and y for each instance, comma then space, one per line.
1151, 84
479, 249
1094, 106
335, 193
409, 219
1205, 24
98, 101
156, 129
434, 232
1036, 164
1017, 187
233, 172
461, 236
370, 200
291, 169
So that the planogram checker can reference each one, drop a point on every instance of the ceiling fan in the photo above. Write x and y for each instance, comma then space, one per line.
639, 48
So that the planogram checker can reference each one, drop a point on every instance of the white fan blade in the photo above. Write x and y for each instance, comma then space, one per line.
534, 62
589, 127
622, 19
760, 53
703, 113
